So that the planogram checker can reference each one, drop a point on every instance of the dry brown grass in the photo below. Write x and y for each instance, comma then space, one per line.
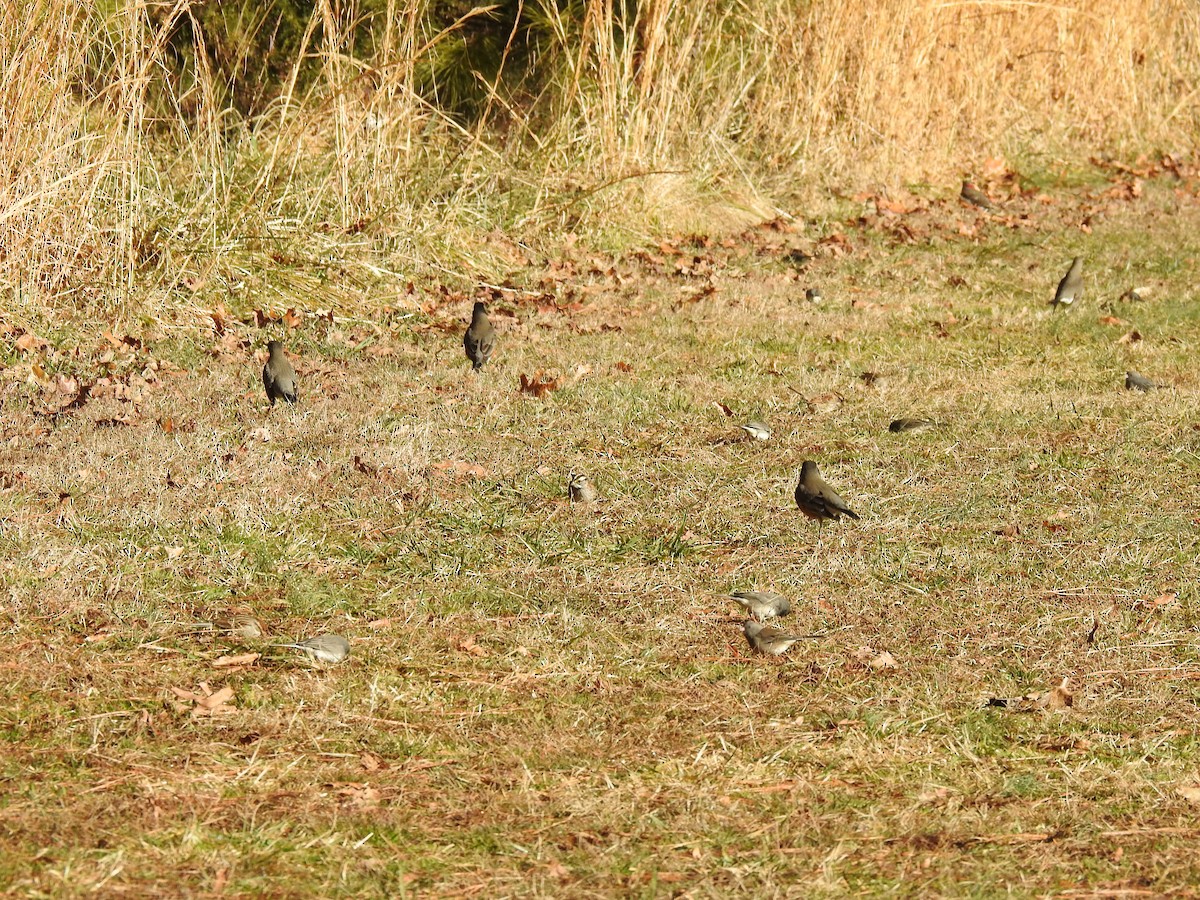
123, 181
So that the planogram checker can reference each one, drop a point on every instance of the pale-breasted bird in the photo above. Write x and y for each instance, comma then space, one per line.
1071, 287
769, 640
816, 499
326, 648
480, 339
762, 605
1136, 382
813, 295
580, 488
757, 429
975, 196
279, 378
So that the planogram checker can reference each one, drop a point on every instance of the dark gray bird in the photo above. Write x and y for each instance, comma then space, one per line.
975, 196
816, 499
1071, 287
813, 295
757, 429
480, 339
1136, 382
326, 648
279, 378
899, 425
762, 605
769, 640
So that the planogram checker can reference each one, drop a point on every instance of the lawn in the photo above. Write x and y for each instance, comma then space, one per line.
555, 699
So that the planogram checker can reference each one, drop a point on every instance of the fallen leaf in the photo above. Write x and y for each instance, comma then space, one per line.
722, 407
1060, 698
372, 762
468, 645
1130, 337
292, 319
539, 385
875, 659
1111, 320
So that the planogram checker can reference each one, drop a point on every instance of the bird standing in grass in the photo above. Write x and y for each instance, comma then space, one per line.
279, 378
770, 641
580, 488
762, 605
1071, 287
818, 500
1136, 382
757, 429
975, 196
899, 426
480, 339
326, 648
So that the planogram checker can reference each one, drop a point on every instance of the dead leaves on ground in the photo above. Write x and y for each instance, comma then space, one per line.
539, 384
1058, 699
206, 702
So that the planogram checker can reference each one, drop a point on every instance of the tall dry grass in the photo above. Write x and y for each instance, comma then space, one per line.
122, 179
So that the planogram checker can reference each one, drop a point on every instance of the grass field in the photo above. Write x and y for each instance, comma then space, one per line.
555, 700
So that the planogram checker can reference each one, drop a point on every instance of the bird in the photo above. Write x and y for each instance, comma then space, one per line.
762, 605
1071, 287
816, 499
975, 196
279, 378
770, 640
580, 488
480, 339
757, 429
899, 425
242, 626
1136, 382
813, 295
327, 648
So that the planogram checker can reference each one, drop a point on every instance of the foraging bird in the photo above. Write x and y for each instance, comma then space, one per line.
769, 640
480, 339
762, 605
1136, 382
242, 626
757, 429
813, 295
327, 648
899, 425
816, 499
1071, 287
975, 196
279, 378
580, 488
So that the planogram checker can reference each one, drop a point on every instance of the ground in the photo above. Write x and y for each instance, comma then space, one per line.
555, 699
